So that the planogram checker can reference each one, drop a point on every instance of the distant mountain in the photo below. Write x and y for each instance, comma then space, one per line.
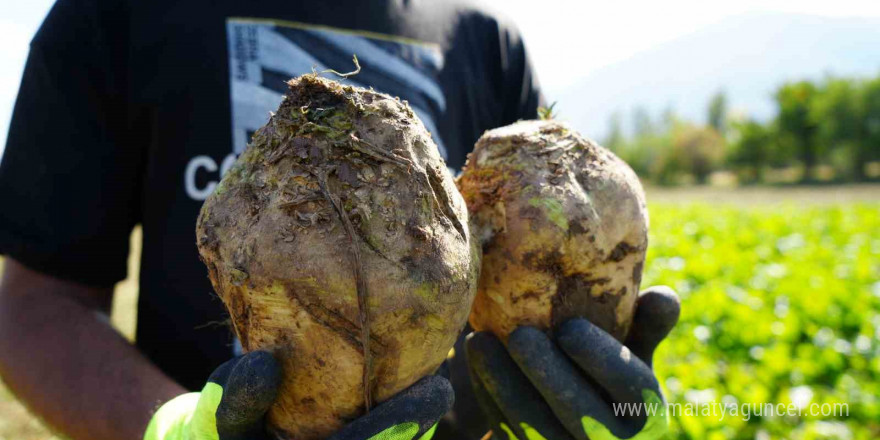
747, 56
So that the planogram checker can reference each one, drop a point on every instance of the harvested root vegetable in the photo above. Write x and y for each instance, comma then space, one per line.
563, 225
339, 242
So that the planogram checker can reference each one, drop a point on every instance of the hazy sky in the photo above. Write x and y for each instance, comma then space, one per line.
567, 39
610, 31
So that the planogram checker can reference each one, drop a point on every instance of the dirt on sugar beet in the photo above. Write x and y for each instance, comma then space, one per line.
339, 242
561, 219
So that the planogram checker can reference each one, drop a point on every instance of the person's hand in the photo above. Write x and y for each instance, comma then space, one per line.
412, 414
232, 405
234, 402
585, 385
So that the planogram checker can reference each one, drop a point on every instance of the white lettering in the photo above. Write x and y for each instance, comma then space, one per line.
227, 164
189, 177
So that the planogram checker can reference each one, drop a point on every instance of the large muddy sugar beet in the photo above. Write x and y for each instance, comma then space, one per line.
563, 225
339, 242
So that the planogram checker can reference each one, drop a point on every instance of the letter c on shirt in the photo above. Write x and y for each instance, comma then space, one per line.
189, 177
209, 165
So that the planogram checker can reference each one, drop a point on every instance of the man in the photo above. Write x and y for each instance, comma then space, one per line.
128, 113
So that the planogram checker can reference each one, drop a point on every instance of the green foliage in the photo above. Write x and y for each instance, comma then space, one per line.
718, 112
833, 122
616, 140
843, 113
796, 127
701, 149
667, 152
691, 150
642, 123
871, 97
750, 153
779, 304
648, 155
546, 113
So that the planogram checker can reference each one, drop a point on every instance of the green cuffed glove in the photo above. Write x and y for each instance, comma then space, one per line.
584, 385
234, 402
231, 406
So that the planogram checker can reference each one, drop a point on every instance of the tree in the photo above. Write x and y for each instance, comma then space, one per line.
839, 114
642, 124
664, 165
870, 149
795, 124
685, 149
700, 150
616, 140
751, 149
718, 112
668, 118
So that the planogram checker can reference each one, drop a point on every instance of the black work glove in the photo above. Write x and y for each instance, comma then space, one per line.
538, 388
234, 402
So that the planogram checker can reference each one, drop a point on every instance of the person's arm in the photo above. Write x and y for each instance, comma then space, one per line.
59, 354
522, 94
70, 180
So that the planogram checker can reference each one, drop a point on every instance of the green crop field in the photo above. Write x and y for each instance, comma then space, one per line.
780, 304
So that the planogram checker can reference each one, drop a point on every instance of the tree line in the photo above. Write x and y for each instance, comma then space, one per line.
831, 125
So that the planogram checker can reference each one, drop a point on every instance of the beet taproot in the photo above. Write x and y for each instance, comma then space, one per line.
339, 242
563, 226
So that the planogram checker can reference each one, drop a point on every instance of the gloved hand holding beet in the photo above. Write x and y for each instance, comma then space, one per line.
564, 231
565, 386
234, 402
338, 243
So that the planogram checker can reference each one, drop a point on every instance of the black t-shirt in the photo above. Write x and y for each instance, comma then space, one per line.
130, 111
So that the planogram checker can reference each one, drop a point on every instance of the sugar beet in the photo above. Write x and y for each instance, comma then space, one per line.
564, 229
338, 241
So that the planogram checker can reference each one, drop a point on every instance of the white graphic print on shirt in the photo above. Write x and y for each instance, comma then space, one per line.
264, 54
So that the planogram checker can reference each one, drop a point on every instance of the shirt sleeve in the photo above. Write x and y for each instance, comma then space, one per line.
522, 93
70, 172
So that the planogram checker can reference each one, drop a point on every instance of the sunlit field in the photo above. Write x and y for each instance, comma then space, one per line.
780, 304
